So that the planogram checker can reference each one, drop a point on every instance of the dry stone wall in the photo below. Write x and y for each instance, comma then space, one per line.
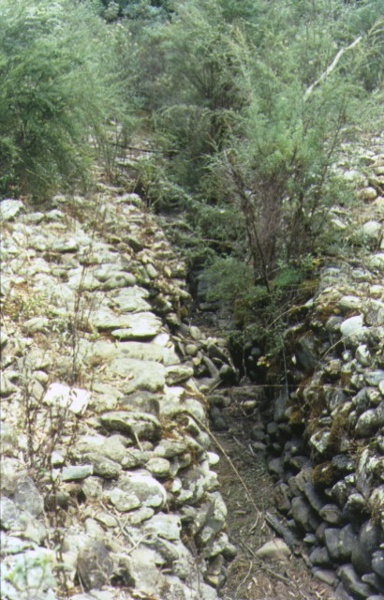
327, 435
107, 478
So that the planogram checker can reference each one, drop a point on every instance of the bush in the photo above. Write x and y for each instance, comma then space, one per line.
56, 94
250, 102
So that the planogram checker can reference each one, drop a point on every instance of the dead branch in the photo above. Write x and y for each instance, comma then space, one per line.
331, 67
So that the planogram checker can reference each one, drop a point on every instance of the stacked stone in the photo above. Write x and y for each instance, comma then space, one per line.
328, 436
107, 481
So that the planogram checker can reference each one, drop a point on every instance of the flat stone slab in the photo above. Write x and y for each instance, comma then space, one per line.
149, 491
141, 325
132, 300
65, 397
9, 208
136, 424
76, 472
138, 374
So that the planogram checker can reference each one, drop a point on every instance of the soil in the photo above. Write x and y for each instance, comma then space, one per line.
249, 577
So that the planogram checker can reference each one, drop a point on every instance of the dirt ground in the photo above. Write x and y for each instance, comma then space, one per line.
249, 577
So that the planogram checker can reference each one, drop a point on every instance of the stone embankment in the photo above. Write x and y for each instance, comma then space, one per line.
107, 479
327, 432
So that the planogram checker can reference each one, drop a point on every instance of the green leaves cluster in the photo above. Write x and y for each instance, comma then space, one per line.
56, 92
250, 101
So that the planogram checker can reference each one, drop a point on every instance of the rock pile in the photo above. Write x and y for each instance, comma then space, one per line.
108, 484
327, 435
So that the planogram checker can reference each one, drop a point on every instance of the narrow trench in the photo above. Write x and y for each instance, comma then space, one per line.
248, 491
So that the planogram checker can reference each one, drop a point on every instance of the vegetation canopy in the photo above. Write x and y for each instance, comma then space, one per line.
247, 104
56, 94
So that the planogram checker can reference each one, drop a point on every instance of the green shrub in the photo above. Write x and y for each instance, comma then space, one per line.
56, 92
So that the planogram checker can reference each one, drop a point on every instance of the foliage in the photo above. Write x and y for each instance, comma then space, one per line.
250, 102
56, 93
113, 10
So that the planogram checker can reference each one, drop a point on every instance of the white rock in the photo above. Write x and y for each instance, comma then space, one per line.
138, 325
363, 355
164, 526
149, 491
319, 440
74, 399
132, 299
377, 261
274, 550
123, 501
9, 208
352, 326
138, 374
159, 467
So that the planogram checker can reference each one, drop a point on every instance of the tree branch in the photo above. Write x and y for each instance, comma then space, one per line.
331, 67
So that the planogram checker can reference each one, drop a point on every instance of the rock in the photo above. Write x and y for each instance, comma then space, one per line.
159, 467
10, 208
375, 378
340, 543
378, 563
31, 574
176, 374
149, 491
320, 557
113, 447
374, 313
370, 233
305, 352
304, 515
331, 514
348, 303
67, 398
92, 488
367, 543
370, 420
138, 374
363, 355
275, 549
105, 397
135, 424
164, 526
118, 280
368, 194
6, 386
327, 576
141, 325
374, 581
170, 448
76, 472
313, 497
4, 338
124, 501
27, 497
195, 333
11, 517
94, 565
376, 261
132, 299
320, 440
352, 582
102, 466
276, 466
353, 327
282, 497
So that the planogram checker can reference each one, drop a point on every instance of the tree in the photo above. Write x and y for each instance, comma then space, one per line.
250, 102
56, 92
